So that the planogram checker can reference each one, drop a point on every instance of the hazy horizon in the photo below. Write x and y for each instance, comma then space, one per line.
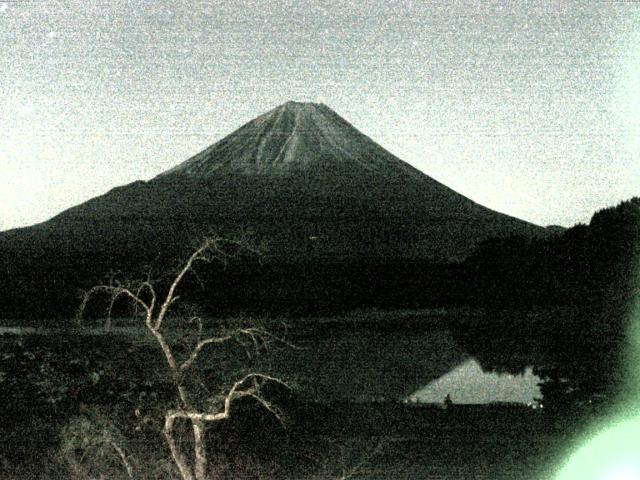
531, 110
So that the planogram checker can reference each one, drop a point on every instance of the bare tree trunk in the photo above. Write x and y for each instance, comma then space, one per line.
176, 454
200, 449
143, 295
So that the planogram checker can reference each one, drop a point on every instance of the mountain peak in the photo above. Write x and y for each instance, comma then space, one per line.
295, 137
293, 105
301, 109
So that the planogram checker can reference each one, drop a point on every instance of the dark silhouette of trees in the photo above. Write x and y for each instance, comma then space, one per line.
569, 299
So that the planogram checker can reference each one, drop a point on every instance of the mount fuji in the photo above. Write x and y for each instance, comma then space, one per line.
299, 178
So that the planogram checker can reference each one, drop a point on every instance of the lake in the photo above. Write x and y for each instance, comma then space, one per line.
370, 361
420, 365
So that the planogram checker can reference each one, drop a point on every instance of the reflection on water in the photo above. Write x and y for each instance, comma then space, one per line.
468, 383
371, 363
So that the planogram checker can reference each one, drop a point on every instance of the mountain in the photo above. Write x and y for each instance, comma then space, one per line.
299, 178
298, 138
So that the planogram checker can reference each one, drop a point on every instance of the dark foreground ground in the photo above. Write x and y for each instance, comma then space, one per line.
58, 393
373, 441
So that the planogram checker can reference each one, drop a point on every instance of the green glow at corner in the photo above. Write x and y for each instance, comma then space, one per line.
613, 454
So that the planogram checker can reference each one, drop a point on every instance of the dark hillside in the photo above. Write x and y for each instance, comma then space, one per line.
589, 275
298, 179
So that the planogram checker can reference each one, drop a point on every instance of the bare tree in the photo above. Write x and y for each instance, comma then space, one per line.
154, 308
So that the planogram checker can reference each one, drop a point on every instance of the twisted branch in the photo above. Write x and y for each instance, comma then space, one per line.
248, 386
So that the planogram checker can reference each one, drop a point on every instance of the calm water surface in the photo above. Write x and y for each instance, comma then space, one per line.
421, 367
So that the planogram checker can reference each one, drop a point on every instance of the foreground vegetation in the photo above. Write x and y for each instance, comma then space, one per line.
128, 406
68, 396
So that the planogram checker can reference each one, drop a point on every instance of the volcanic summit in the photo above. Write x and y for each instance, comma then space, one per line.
300, 179
299, 171
295, 138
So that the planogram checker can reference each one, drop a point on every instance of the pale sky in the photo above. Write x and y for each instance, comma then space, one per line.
529, 108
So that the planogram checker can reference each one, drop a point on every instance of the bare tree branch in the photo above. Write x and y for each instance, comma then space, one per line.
235, 393
198, 348
198, 255
115, 292
123, 458
146, 297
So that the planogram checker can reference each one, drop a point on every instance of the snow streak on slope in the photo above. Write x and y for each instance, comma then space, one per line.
295, 137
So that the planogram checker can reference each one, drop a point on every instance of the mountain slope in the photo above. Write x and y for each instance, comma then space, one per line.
296, 173
295, 137
299, 178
